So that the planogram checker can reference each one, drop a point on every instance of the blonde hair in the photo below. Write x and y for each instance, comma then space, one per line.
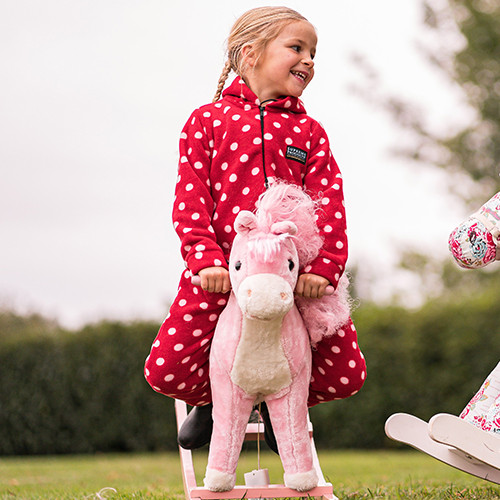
256, 27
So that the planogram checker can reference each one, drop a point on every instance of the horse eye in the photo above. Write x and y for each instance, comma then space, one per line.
237, 266
291, 264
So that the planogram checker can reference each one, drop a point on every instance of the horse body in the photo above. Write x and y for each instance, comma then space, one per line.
261, 352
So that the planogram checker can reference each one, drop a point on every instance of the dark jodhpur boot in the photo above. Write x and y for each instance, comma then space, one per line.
196, 430
269, 436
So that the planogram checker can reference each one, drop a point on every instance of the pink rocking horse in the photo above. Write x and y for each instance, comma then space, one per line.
261, 350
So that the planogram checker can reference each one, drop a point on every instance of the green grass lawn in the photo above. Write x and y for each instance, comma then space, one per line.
354, 474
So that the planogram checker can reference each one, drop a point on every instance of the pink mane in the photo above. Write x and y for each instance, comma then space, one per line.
266, 245
287, 202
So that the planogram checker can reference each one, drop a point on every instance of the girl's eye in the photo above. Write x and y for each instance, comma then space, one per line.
237, 266
291, 264
296, 48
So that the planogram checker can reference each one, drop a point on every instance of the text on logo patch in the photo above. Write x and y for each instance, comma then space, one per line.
293, 153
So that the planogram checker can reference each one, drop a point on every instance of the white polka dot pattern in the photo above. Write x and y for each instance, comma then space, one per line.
221, 156
220, 173
179, 355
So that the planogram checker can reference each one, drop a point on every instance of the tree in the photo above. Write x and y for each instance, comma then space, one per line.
475, 67
465, 46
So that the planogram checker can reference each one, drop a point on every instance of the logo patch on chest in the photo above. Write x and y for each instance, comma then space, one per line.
296, 154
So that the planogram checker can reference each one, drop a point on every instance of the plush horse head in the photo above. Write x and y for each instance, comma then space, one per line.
261, 350
264, 267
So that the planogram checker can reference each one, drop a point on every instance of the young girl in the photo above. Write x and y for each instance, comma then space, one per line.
254, 133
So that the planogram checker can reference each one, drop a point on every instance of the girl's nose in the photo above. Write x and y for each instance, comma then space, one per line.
307, 61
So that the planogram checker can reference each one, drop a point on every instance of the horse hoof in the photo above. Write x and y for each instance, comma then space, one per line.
219, 481
302, 481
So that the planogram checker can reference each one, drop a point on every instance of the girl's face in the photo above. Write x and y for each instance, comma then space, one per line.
286, 65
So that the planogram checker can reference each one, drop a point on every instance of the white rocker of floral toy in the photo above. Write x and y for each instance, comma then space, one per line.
449, 439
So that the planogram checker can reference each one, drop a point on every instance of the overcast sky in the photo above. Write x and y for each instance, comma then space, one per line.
93, 97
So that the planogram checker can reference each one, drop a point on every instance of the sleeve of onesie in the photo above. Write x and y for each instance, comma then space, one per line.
323, 181
193, 204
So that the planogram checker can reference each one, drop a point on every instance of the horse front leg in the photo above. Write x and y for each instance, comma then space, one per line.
289, 418
231, 410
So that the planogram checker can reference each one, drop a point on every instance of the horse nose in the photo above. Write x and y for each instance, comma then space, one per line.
284, 296
265, 296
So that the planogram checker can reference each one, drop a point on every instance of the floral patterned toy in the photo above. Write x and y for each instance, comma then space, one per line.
471, 441
474, 242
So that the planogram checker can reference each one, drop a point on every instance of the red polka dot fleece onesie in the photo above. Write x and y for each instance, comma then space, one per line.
227, 151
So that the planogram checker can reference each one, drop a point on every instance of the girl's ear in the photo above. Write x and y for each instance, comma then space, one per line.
248, 55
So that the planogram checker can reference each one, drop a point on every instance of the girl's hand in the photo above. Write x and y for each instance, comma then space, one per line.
215, 279
311, 286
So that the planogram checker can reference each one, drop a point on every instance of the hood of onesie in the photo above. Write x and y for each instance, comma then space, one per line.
241, 93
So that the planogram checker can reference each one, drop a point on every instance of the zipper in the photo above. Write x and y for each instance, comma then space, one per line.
262, 109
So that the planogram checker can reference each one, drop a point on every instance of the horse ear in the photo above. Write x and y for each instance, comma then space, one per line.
245, 221
284, 227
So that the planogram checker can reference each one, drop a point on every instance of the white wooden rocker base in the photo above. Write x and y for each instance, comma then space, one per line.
193, 492
454, 431
451, 440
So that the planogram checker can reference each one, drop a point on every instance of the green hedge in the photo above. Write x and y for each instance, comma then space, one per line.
84, 392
